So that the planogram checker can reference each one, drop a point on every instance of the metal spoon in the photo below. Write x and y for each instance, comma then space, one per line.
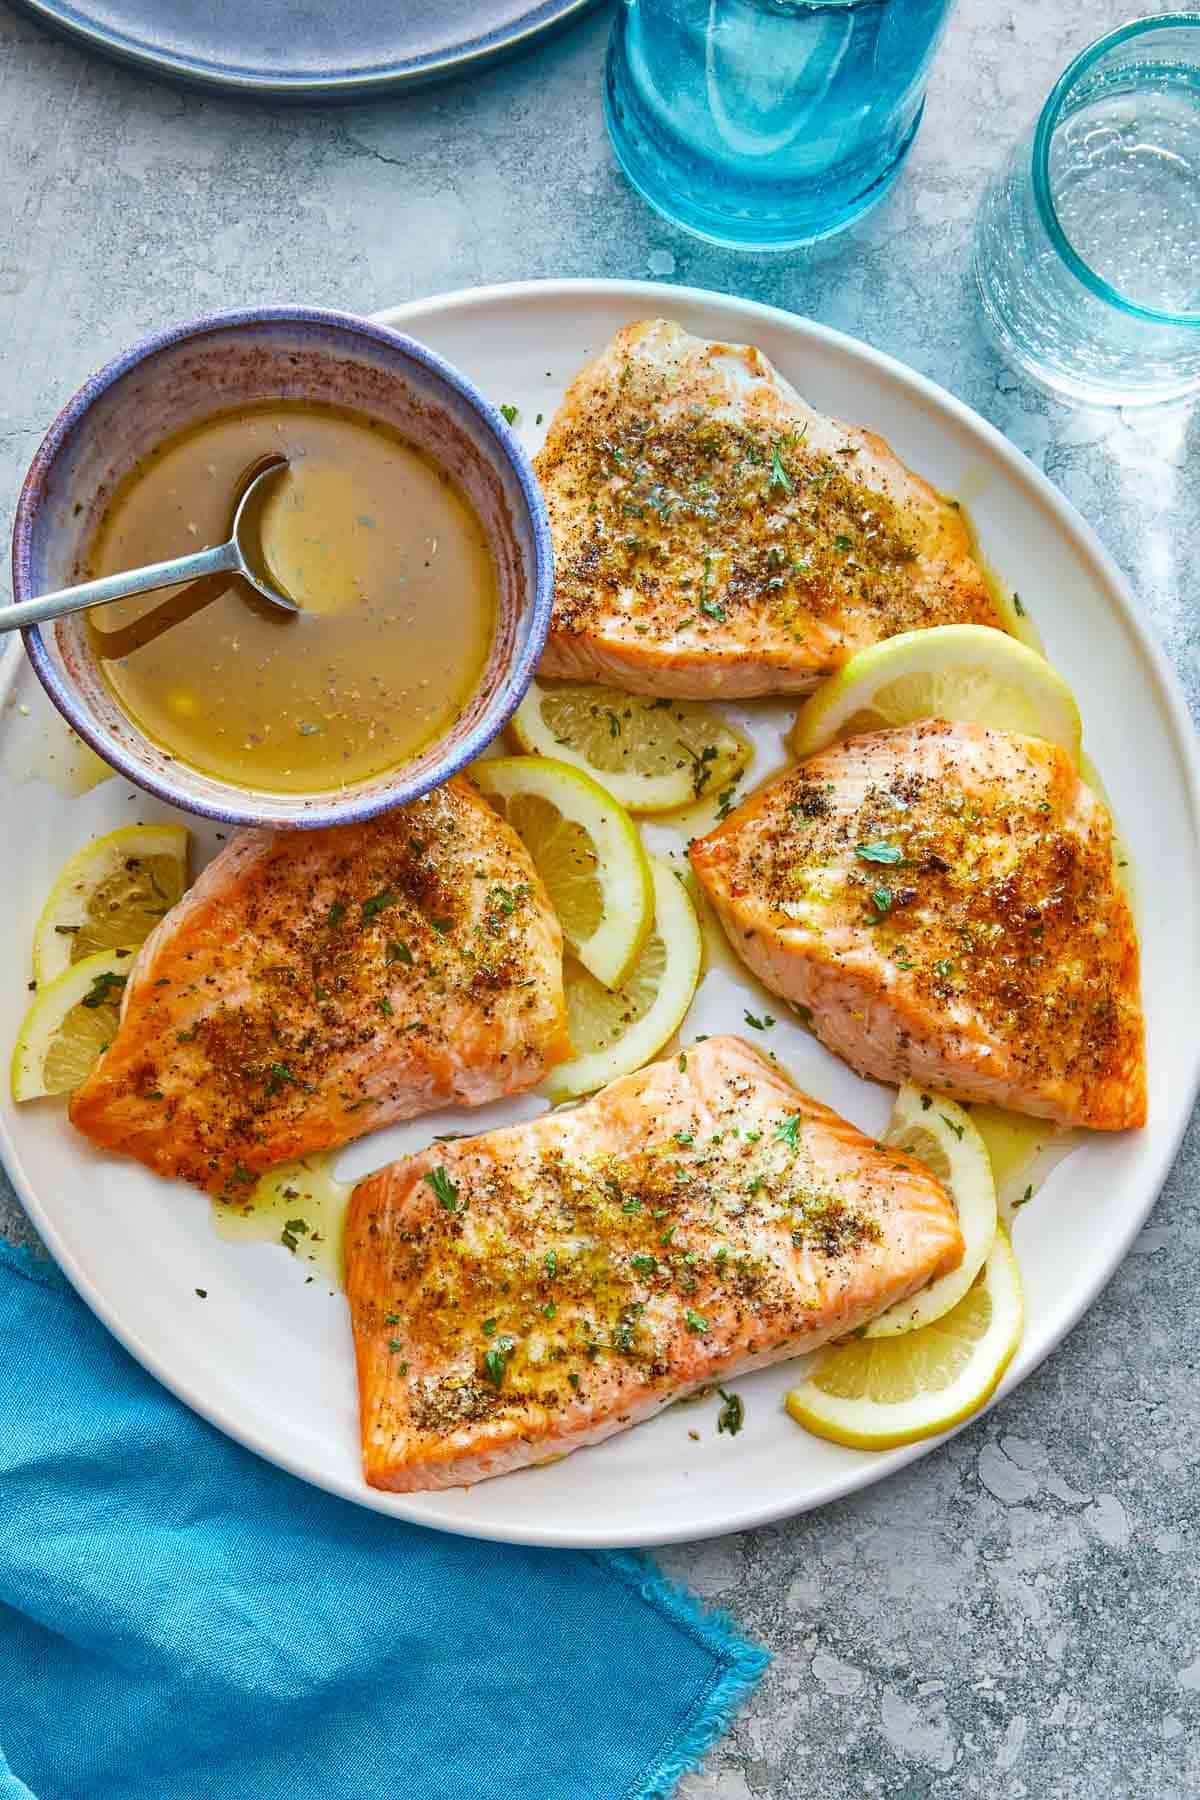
242, 555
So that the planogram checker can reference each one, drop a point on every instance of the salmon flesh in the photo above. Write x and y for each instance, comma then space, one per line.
714, 535
524, 1293
314, 985
940, 901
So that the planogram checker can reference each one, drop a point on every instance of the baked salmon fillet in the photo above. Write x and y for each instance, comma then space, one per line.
714, 535
940, 901
527, 1292
314, 985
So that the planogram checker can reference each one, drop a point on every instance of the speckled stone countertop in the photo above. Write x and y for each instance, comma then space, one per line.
1019, 1613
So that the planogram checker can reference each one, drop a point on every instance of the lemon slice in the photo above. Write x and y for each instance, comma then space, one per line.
875, 1393
70, 1023
968, 672
615, 1033
651, 755
940, 1135
587, 852
110, 896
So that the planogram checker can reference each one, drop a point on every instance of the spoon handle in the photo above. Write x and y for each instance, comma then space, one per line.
222, 558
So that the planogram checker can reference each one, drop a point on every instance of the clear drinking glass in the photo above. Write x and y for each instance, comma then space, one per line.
764, 124
1087, 253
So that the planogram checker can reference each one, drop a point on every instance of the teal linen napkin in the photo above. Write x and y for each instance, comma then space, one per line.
180, 1620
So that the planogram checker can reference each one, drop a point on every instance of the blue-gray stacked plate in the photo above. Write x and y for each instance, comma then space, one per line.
307, 49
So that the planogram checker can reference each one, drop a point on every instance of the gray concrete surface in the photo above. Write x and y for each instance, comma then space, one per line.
1017, 1614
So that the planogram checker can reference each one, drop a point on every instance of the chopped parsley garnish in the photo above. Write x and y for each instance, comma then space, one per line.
943, 968
550, 1263
732, 1415
707, 605
879, 852
505, 900
644, 1264
763, 1024
495, 1360
104, 990
441, 926
614, 725
399, 953
335, 915
293, 1231
956, 1129
1026, 1196
391, 1318
386, 1007
926, 1102
787, 1130
281, 1072
881, 900
684, 1139
549, 1310
695, 1321
725, 801
683, 1062
509, 413
443, 1187
721, 1258
841, 541
631, 1206
489, 1327
779, 475
1017, 603
377, 902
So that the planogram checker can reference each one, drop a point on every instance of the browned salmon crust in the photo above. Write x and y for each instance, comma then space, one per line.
527, 1292
942, 901
314, 985
714, 535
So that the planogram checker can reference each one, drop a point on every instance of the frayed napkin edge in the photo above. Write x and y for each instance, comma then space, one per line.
740, 1666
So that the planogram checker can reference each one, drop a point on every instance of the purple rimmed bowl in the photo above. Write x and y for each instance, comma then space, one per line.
185, 374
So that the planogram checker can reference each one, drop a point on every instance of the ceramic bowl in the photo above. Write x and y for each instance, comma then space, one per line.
186, 374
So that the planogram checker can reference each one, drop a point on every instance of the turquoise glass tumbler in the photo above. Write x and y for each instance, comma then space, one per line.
764, 124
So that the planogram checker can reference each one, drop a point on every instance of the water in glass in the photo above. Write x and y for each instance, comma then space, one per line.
1088, 248
767, 123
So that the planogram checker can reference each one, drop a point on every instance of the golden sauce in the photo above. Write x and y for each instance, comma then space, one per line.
299, 1205
387, 557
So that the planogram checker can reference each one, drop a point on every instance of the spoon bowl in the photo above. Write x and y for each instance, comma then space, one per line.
241, 554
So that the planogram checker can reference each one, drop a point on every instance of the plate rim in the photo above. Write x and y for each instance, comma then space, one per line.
1170, 696
65, 20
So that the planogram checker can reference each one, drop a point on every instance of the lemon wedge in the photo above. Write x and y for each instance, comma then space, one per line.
651, 755
110, 896
588, 853
940, 1135
614, 1033
71, 1022
962, 672
875, 1393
